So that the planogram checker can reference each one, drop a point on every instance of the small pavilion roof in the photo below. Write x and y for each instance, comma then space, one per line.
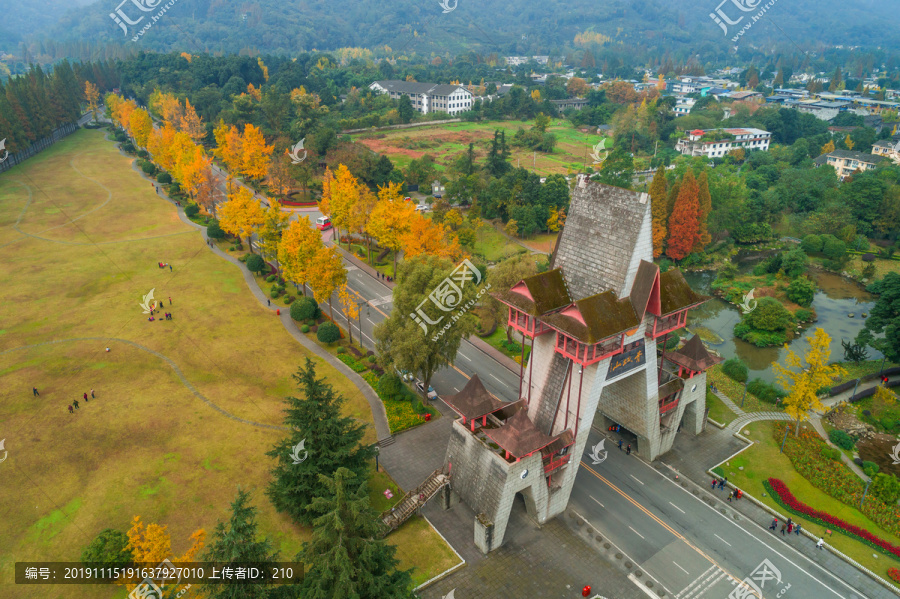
593, 319
474, 401
519, 436
538, 294
693, 356
675, 294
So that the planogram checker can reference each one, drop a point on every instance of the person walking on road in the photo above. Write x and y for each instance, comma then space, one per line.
797, 529
721, 484
783, 527
714, 483
774, 524
628, 450
35, 391
620, 444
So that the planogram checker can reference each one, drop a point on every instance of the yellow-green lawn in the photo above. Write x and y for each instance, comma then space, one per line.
81, 233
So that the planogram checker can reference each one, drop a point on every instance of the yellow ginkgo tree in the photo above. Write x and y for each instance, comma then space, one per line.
804, 377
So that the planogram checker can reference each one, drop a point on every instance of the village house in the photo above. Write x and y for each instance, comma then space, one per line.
847, 162
717, 143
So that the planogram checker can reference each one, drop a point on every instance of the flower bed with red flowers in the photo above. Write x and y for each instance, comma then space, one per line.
834, 478
786, 499
293, 203
894, 574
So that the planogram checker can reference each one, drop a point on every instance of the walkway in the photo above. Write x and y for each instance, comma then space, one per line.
741, 421
728, 403
382, 428
830, 402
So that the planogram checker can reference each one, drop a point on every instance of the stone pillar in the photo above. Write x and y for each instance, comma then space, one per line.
484, 533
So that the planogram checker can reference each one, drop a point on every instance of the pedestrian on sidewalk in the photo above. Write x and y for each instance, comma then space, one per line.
821, 543
783, 527
739, 494
75, 403
71, 411
797, 529
774, 524
790, 528
35, 391
730, 495
92, 394
620, 444
628, 450
714, 483
790, 521
269, 302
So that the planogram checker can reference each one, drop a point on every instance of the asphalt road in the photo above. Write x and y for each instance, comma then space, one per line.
687, 546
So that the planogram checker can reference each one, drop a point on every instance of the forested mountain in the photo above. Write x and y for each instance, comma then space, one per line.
22, 18
637, 28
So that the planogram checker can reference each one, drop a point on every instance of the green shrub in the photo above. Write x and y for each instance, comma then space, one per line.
390, 386
128, 147
328, 332
121, 136
801, 291
886, 487
214, 231
769, 315
109, 547
255, 263
289, 300
803, 315
352, 363
148, 167
832, 453
811, 244
191, 210
143, 154
342, 350
736, 370
371, 359
305, 308
870, 468
164, 178
834, 248
841, 439
889, 424
765, 391
243, 258
303, 328
271, 278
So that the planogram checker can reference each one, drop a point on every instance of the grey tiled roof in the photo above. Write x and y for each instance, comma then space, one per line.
416, 88
596, 245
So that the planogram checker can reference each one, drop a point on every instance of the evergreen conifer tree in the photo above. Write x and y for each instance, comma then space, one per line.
322, 441
346, 558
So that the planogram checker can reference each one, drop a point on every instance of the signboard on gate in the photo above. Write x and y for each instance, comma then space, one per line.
629, 359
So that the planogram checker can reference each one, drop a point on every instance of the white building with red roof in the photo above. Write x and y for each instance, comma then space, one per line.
716, 143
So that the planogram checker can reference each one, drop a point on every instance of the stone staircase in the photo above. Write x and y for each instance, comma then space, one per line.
412, 501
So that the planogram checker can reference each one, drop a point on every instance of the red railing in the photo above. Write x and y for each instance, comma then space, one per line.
554, 464
667, 407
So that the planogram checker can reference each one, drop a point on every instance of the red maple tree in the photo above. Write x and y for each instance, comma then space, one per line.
684, 224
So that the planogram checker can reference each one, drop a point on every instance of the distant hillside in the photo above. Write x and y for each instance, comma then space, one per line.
637, 27
22, 18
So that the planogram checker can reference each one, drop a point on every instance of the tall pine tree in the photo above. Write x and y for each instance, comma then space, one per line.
346, 558
705, 201
659, 205
684, 225
329, 441
237, 542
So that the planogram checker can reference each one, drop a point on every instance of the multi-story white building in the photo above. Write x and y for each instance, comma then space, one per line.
887, 148
716, 143
428, 97
847, 162
683, 105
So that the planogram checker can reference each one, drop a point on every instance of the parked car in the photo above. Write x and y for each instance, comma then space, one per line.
407, 199
421, 207
323, 223
405, 376
420, 386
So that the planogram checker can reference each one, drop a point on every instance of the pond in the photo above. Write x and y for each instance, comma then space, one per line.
834, 300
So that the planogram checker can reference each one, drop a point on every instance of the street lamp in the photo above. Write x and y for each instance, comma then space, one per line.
786, 429
868, 482
377, 451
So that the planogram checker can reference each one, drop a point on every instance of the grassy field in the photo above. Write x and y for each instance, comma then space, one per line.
763, 460
446, 142
82, 234
718, 411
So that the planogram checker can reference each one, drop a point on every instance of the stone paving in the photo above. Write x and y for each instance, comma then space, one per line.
741, 421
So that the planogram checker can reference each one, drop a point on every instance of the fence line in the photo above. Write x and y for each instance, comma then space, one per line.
38, 146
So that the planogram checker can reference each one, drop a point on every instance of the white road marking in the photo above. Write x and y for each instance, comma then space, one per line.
456, 389
598, 503
682, 569
462, 355
721, 539
636, 532
676, 507
635, 478
496, 379
369, 320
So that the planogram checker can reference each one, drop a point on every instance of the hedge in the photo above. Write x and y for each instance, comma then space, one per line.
786, 499
353, 364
